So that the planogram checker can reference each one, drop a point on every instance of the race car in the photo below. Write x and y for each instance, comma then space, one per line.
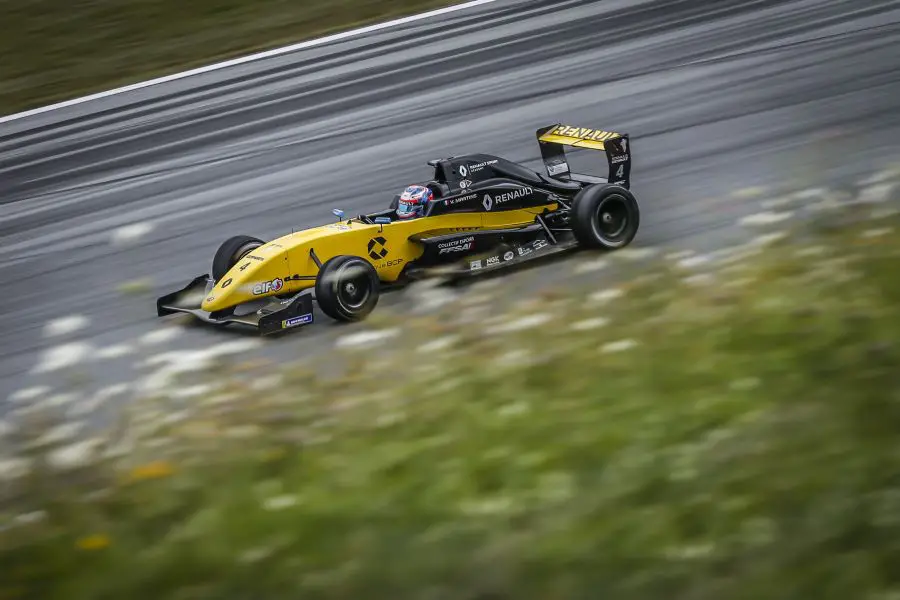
487, 213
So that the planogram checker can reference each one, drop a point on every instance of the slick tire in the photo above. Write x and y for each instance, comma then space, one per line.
231, 251
347, 288
605, 216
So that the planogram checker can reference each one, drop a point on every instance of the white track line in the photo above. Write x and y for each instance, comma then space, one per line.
244, 59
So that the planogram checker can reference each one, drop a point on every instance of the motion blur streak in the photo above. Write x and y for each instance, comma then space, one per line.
717, 96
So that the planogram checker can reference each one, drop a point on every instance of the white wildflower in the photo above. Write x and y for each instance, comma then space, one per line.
280, 502
26, 394
522, 323
631, 253
745, 384
749, 192
487, 506
810, 251
130, 233
604, 296
14, 468
879, 232
690, 552
116, 351
765, 218
29, 518
366, 338
618, 346
589, 266
267, 382
588, 324
679, 255
438, 344
65, 325
74, 455
693, 261
513, 409
61, 357
60, 433
876, 194
699, 279
159, 336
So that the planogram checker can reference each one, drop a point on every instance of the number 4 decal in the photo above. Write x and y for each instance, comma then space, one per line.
620, 170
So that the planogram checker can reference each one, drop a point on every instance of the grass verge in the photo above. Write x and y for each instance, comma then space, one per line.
714, 429
53, 50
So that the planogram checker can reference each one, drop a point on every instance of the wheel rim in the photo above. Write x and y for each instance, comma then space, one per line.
611, 220
244, 251
353, 289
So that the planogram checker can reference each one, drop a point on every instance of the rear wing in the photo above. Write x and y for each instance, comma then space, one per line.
554, 139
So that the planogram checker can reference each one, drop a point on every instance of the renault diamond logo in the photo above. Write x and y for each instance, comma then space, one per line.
463, 170
488, 202
377, 248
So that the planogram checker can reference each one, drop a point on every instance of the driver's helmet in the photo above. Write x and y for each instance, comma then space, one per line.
413, 201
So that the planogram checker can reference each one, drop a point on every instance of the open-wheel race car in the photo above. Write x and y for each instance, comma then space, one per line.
485, 213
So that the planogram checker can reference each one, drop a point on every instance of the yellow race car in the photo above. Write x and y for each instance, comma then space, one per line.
485, 213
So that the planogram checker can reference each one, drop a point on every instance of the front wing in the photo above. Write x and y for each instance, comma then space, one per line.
273, 316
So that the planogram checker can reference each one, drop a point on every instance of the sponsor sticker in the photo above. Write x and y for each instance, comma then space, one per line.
377, 248
244, 266
210, 298
389, 263
463, 170
489, 201
457, 242
538, 244
295, 321
524, 251
509, 255
458, 199
477, 167
465, 183
255, 257
226, 283
267, 287
475, 265
557, 168
494, 260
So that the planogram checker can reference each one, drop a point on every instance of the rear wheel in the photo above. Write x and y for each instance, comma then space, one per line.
605, 216
347, 288
231, 251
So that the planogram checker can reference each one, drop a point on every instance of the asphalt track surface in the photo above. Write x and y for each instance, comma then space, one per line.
718, 96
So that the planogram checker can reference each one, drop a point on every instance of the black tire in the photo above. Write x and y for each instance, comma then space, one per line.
347, 288
231, 251
605, 216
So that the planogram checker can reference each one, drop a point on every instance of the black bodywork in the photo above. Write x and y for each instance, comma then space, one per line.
485, 183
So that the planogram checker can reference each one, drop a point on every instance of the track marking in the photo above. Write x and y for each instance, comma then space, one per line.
249, 58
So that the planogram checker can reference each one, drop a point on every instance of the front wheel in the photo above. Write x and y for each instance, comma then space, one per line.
605, 216
231, 251
347, 288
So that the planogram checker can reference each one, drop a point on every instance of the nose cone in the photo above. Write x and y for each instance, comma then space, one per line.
222, 295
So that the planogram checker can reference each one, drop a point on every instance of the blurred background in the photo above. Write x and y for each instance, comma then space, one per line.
708, 413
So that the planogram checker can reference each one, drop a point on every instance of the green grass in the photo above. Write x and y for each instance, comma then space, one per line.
52, 50
732, 435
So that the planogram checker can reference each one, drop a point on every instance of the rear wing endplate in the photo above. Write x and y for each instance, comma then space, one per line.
553, 140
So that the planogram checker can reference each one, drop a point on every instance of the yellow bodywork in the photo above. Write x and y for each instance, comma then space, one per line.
286, 266
579, 137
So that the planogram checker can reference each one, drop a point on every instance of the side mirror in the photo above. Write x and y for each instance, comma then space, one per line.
338, 213
382, 221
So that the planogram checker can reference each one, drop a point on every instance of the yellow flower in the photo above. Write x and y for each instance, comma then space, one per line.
98, 541
153, 470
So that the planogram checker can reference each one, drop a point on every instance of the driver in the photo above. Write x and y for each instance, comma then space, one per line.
413, 201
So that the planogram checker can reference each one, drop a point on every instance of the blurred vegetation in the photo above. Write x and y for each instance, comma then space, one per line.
713, 429
52, 50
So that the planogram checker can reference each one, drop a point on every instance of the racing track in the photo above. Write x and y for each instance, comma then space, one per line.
716, 99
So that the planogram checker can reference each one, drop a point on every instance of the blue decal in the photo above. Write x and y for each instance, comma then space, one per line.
294, 321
